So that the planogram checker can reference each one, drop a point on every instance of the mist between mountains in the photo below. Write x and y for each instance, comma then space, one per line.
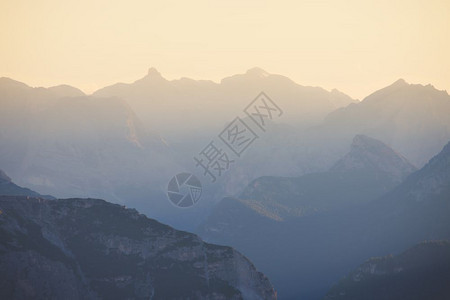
185, 189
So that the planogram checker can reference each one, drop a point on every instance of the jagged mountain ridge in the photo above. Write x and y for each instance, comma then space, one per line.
190, 105
285, 150
91, 249
411, 118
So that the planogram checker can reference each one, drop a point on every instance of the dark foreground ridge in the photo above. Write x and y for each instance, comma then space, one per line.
92, 249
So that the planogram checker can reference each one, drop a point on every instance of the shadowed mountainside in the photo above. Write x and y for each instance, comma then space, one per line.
91, 249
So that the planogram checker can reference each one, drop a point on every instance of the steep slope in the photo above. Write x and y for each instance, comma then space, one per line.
91, 249
8, 188
421, 272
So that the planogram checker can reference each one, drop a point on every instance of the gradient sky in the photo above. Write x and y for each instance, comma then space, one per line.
355, 46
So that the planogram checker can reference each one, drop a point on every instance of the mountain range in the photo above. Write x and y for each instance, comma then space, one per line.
126, 141
331, 183
411, 118
367, 171
182, 107
304, 254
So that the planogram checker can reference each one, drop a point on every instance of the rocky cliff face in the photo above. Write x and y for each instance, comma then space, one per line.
91, 249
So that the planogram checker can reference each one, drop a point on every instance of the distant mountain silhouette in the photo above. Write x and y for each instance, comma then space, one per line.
411, 118
10, 88
110, 145
187, 105
66, 91
369, 170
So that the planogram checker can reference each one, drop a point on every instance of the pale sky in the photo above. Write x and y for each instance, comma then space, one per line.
355, 46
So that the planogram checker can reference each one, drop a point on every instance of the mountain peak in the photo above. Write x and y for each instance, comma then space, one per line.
400, 82
153, 75
153, 72
257, 72
370, 154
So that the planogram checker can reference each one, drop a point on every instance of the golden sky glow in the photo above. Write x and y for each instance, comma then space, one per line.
355, 46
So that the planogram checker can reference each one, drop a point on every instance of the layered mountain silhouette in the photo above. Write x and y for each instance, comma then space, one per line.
60, 142
126, 141
369, 170
184, 106
330, 184
421, 272
411, 118
304, 256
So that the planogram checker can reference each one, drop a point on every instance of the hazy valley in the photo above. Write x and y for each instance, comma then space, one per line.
331, 183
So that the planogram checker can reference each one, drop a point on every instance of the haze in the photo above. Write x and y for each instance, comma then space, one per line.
354, 46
